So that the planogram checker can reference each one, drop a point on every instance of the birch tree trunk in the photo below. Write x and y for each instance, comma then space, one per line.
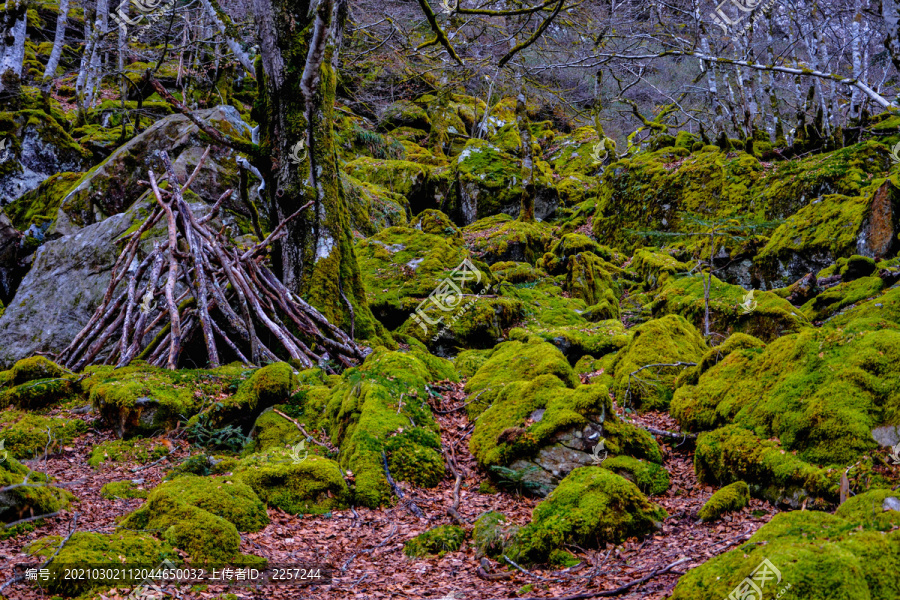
12, 44
61, 22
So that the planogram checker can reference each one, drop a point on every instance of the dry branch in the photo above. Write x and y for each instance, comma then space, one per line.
194, 281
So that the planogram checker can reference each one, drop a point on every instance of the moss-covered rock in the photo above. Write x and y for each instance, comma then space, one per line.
27, 435
556, 259
97, 549
516, 361
266, 387
811, 554
379, 400
730, 498
588, 277
733, 453
435, 542
227, 498
878, 507
372, 207
651, 478
821, 391
591, 506
139, 399
575, 341
736, 341
423, 186
731, 308
827, 303
437, 223
668, 340
468, 362
313, 485
493, 535
501, 238
22, 502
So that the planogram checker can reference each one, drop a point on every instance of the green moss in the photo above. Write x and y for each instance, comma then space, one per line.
730, 498
122, 489
314, 485
39, 206
670, 339
555, 260
590, 506
265, 387
96, 549
435, 222
515, 361
651, 478
414, 455
227, 498
625, 438
502, 238
733, 453
39, 393
513, 409
821, 391
590, 278
271, 430
141, 451
469, 361
435, 542
35, 367
841, 296
26, 435
383, 397
736, 341
869, 507
816, 554
493, 535
19, 503
770, 316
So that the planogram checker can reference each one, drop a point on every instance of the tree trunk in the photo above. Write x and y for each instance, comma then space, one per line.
890, 12
526, 209
12, 44
61, 22
316, 258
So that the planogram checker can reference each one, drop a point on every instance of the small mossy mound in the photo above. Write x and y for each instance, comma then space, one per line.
266, 387
414, 455
98, 550
589, 278
821, 391
272, 430
590, 507
228, 498
516, 361
728, 499
435, 542
313, 485
122, 490
872, 507
575, 341
27, 435
39, 393
517, 272
733, 453
141, 451
829, 302
36, 367
811, 554
731, 308
665, 341
479, 322
656, 268
437, 223
36, 382
651, 478
22, 502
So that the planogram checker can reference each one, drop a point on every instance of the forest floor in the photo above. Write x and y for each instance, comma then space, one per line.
364, 547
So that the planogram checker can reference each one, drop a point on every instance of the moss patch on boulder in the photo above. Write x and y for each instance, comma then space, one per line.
730, 498
27, 435
19, 503
314, 485
590, 507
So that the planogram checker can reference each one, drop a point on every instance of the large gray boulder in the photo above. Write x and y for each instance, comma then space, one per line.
112, 186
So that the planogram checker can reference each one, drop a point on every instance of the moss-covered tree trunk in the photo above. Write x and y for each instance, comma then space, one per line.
296, 113
526, 208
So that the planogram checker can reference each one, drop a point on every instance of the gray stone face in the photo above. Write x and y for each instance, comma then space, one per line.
34, 150
887, 435
891, 503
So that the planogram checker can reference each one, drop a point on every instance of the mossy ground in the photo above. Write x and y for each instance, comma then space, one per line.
28, 435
